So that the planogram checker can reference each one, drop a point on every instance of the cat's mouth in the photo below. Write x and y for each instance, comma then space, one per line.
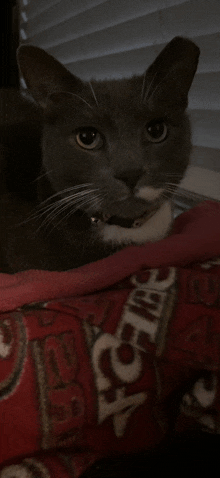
101, 218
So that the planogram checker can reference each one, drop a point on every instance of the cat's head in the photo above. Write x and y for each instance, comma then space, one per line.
115, 149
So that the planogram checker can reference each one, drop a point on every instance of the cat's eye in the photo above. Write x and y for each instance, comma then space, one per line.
156, 131
89, 138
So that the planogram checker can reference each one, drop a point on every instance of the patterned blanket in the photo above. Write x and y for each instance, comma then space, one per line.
106, 358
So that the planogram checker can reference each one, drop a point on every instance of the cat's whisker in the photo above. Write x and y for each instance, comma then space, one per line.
170, 194
92, 201
149, 87
52, 208
72, 211
69, 214
43, 205
185, 193
44, 174
170, 189
143, 86
82, 202
60, 208
78, 186
93, 93
96, 201
66, 203
50, 218
46, 208
165, 196
157, 86
172, 184
99, 201
41, 210
84, 101
170, 173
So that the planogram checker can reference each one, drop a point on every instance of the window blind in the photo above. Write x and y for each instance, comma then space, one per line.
117, 38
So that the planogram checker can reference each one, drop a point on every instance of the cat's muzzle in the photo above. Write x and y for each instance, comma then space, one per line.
124, 222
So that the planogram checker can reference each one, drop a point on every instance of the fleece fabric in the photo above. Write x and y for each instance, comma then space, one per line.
93, 360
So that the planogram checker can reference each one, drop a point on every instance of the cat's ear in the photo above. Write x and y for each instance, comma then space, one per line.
43, 74
168, 80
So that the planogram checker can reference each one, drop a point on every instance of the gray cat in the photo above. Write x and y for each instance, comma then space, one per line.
113, 153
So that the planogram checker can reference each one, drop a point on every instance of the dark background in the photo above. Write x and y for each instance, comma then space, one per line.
9, 43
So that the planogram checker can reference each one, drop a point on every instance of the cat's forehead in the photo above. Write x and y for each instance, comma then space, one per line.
113, 92
120, 98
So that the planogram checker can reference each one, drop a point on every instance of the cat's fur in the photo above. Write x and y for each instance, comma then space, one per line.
126, 179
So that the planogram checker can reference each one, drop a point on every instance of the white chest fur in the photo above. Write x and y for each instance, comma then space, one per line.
153, 230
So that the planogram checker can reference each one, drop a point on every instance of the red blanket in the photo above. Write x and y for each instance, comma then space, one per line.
89, 357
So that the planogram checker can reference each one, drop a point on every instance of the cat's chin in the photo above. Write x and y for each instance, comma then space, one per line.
151, 227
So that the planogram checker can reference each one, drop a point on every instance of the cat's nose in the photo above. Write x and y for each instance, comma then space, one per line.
130, 177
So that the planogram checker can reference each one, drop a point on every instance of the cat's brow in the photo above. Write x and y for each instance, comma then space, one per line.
157, 86
93, 93
83, 100
145, 96
143, 86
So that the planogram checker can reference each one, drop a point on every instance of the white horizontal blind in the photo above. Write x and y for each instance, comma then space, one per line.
118, 38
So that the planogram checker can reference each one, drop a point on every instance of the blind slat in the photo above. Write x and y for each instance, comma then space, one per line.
39, 7
206, 128
93, 17
205, 92
202, 181
128, 63
206, 157
155, 28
